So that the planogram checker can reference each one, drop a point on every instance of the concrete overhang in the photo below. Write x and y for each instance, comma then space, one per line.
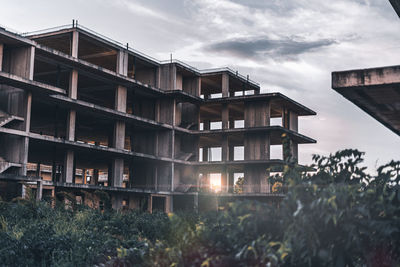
9, 38
26, 84
396, 6
275, 131
287, 102
375, 90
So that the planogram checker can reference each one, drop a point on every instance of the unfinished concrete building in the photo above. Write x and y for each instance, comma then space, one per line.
82, 114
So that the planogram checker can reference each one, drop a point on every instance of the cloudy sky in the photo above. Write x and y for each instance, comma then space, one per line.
290, 46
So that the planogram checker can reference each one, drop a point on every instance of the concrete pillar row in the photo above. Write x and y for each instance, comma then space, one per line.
117, 164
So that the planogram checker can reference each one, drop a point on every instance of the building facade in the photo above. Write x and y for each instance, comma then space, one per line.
81, 114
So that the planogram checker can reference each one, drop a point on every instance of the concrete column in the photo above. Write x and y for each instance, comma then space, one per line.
169, 204
27, 112
168, 76
119, 126
257, 114
150, 204
225, 116
225, 148
69, 166
39, 189
293, 123
24, 150
71, 117
231, 182
74, 43
205, 154
122, 63
117, 172
198, 86
116, 201
224, 181
1, 56
225, 84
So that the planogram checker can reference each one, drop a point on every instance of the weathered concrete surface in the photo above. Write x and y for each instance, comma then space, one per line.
376, 91
366, 77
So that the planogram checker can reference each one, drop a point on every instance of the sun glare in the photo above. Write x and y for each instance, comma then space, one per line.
215, 182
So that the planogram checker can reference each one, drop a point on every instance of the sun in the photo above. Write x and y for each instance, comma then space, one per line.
215, 182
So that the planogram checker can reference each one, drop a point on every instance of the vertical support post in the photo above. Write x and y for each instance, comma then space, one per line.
119, 126
39, 189
68, 166
74, 43
225, 84
198, 86
1, 56
69, 157
225, 116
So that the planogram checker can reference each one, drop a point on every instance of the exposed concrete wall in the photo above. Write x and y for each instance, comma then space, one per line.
256, 180
168, 77
192, 85
148, 76
179, 81
256, 146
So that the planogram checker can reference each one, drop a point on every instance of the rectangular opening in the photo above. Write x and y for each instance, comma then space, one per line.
238, 124
215, 154
158, 204
200, 154
238, 179
276, 152
217, 95
238, 93
216, 125
238, 153
275, 121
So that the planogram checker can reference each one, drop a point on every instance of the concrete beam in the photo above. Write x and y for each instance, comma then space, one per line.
366, 77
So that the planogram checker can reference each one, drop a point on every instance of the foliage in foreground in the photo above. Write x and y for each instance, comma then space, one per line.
336, 216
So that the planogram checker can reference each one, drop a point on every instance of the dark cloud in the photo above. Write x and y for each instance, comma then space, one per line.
284, 48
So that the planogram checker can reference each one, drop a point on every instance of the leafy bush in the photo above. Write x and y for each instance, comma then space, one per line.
338, 215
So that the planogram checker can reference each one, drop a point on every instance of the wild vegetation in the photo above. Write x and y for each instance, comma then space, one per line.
338, 215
